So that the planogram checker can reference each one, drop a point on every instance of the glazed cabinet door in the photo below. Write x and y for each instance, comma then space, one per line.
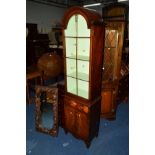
114, 35
77, 39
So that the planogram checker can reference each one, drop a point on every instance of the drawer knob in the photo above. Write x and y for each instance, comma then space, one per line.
85, 109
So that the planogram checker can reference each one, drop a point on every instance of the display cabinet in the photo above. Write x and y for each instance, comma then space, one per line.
83, 41
114, 16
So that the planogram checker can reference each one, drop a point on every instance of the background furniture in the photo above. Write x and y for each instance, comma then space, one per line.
83, 40
115, 18
46, 113
36, 44
32, 75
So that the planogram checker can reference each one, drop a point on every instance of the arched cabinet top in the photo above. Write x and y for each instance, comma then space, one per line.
91, 17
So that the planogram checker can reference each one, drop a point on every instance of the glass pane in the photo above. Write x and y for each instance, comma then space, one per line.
71, 67
71, 47
83, 48
83, 70
83, 89
83, 30
111, 38
71, 27
71, 85
109, 63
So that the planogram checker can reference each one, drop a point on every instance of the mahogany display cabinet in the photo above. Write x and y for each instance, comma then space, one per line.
115, 19
83, 41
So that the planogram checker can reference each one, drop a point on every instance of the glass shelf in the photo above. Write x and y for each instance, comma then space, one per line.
83, 70
83, 48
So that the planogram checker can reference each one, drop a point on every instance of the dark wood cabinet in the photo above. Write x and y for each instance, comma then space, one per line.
69, 118
83, 41
36, 44
115, 19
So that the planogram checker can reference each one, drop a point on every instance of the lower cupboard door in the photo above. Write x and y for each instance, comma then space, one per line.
82, 125
69, 118
106, 103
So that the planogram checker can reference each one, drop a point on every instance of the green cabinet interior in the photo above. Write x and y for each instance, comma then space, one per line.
77, 39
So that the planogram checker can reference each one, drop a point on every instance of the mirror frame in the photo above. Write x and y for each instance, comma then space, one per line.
53, 99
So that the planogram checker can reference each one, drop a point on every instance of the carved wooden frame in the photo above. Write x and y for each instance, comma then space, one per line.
53, 99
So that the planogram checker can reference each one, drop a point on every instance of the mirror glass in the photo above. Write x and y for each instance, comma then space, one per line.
46, 109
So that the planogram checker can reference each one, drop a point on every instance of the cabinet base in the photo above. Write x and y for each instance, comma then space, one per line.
109, 116
87, 144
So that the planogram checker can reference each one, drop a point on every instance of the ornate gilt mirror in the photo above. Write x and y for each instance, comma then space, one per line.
46, 114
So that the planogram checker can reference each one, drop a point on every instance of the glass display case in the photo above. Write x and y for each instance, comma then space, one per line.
83, 38
77, 37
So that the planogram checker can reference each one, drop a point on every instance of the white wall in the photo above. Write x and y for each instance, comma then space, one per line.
43, 15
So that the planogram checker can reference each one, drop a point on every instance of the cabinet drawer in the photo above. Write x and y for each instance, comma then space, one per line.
77, 106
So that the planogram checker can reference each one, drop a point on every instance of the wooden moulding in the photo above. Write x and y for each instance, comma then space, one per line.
52, 93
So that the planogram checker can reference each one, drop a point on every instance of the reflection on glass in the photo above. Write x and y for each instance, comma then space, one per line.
71, 47
83, 89
71, 85
71, 27
83, 30
83, 70
83, 48
71, 67
46, 115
